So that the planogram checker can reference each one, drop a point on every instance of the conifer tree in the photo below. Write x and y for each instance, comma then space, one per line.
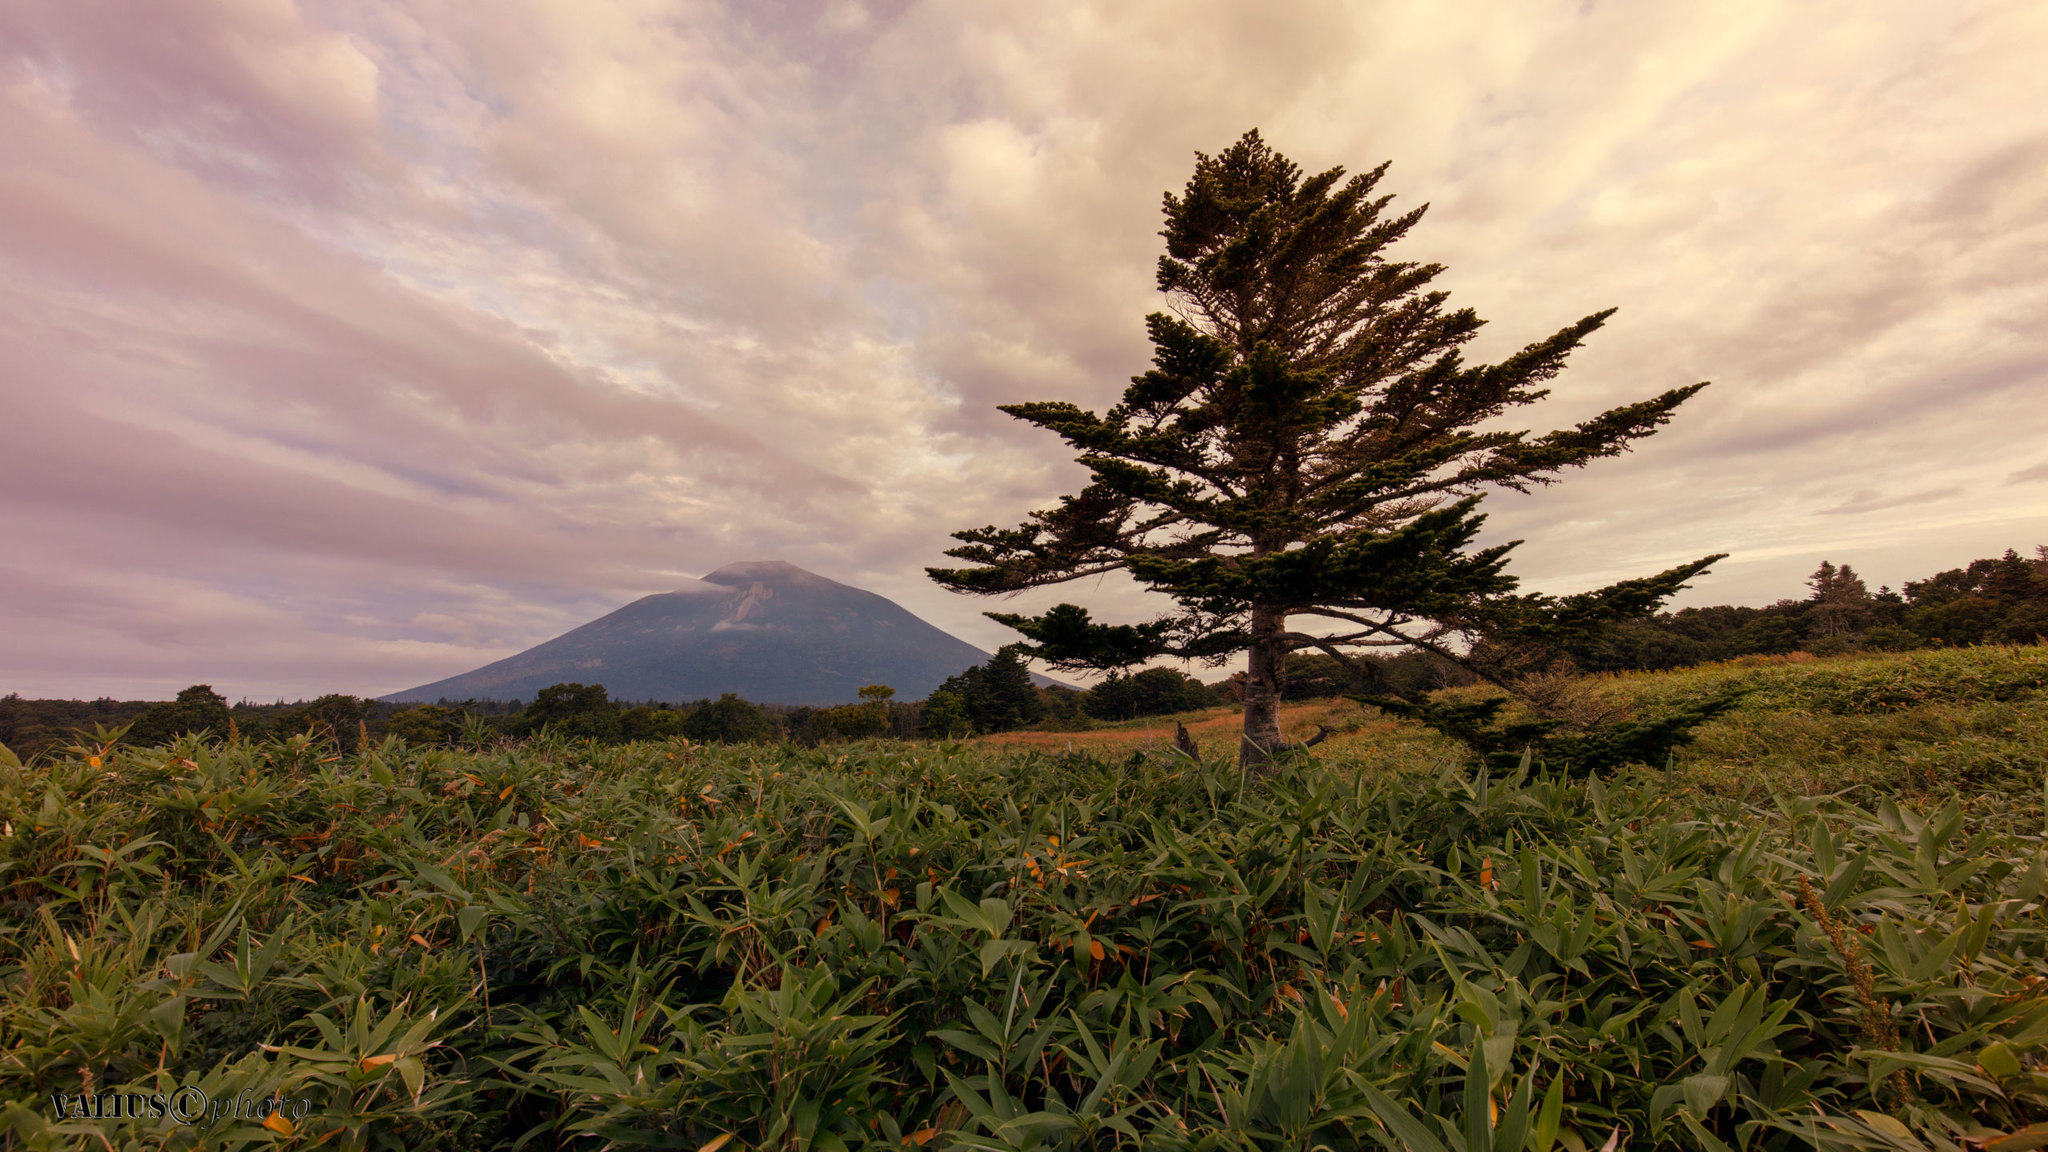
1840, 603
1307, 444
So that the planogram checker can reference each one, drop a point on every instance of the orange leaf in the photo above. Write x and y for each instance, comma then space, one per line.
891, 895
372, 1063
93, 760
420, 940
1486, 872
1703, 944
278, 1124
506, 792
921, 1137
1095, 949
2033, 1136
715, 1143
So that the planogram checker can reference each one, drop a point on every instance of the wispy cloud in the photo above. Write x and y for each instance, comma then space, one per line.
352, 343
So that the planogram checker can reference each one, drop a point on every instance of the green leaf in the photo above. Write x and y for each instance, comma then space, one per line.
1544, 1134
1478, 1100
1703, 1091
1412, 1134
1998, 1060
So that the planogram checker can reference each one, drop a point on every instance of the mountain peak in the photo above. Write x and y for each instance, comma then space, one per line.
765, 629
763, 572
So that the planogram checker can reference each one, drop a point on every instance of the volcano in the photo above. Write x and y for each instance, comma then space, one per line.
766, 630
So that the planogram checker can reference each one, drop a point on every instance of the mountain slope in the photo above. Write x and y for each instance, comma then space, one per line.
767, 630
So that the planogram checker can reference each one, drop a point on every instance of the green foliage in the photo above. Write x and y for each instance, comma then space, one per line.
582, 947
1547, 744
1152, 692
576, 711
1989, 601
945, 717
197, 709
29, 726
427, 725
1410, 675
652, 722
728, 720
998, 695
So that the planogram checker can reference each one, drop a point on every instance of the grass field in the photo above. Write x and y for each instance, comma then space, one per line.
1821, 925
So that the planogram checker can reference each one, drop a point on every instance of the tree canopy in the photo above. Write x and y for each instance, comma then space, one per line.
1307, 444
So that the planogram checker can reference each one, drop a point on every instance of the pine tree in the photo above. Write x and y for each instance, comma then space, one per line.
998, 695
1007, 699
1306, 444
1840, 603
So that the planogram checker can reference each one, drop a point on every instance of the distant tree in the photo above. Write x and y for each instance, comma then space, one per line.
1308, 443
577, 711
1317, 676
859, 721
1636, 644
2002, 600
1888, 638
1152, 692
433, 725
1767, 635
31, 726
650, 722
337, 718
1062, 708
998, 695
728, 720
197, 709
1840, 604
945, 717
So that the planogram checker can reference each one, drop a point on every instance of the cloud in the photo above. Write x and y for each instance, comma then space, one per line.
1870, 500
354, 345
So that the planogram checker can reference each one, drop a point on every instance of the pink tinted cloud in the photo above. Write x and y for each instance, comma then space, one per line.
351, 343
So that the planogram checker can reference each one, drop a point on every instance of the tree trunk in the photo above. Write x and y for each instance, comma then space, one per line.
1262, 690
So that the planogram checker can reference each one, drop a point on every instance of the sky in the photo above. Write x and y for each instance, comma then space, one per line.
350, 344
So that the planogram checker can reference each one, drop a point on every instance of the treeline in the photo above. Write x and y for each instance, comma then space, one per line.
998, 696
2002, 600
31, 726
570, 711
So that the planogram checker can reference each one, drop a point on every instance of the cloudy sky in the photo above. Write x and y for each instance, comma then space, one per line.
349, 344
